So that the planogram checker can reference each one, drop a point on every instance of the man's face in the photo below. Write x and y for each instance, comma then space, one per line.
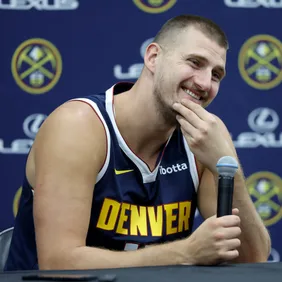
191, 69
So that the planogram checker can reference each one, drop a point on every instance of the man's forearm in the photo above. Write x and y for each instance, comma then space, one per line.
255, 240
96, 258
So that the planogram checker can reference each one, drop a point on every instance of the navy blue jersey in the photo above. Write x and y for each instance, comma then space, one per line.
132, 206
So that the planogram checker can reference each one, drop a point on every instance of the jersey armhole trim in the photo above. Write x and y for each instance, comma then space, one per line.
97, 111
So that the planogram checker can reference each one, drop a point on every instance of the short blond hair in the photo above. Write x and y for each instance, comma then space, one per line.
172, 27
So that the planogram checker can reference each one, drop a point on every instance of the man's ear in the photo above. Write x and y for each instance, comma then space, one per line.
150, 57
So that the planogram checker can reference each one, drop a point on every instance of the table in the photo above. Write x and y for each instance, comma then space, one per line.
260, 272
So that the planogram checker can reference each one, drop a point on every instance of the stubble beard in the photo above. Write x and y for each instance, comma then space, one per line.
163, 109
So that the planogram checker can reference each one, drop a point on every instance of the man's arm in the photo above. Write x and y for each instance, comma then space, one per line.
209, 140
255, 240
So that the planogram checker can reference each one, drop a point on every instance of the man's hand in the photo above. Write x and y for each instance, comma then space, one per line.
215, 241
203, 133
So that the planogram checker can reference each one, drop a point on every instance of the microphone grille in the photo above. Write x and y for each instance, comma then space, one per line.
227, 165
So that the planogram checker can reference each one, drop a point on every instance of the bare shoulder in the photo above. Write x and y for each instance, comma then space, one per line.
74, 113
72, 131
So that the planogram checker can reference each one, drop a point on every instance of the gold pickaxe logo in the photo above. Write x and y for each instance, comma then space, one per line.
265, 189
154, 6
36, 66
260, 62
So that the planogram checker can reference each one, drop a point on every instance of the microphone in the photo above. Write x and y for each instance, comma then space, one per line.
226, 168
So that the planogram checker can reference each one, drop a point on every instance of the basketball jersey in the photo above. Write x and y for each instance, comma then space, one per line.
132, 207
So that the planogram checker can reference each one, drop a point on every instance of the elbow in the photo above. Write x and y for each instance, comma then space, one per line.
57, 260
265, 249
53, 263
255, 253
258, 257
260, 253
268, 247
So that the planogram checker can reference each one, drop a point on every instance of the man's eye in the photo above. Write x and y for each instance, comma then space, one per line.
195, 62
216, 76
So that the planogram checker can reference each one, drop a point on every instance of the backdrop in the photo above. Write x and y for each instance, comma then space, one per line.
54, 50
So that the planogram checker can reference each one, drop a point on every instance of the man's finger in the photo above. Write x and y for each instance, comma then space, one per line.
186, 127
235, 211
188, 114
197, 109
230, 255
229, 220
232, 232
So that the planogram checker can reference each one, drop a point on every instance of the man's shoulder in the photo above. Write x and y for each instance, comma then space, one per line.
70, 117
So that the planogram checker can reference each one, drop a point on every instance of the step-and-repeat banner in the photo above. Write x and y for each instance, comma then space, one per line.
54, 50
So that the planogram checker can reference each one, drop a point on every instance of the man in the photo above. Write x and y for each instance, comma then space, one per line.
125, 170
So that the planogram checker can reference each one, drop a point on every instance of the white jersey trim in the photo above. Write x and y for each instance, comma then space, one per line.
6, 230
147, 175
97, 111
192, 165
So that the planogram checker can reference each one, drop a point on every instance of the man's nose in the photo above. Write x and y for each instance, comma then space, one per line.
203, 80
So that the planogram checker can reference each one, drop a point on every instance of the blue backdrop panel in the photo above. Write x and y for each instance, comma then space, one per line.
55, 50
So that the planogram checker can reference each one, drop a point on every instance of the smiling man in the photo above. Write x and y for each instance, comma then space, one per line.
113, 180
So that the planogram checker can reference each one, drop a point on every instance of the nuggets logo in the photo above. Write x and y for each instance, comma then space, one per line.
17, 201
260, 62
154, 6
265, 189
36, 66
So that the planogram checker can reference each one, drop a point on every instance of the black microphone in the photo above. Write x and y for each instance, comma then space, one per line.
226, 167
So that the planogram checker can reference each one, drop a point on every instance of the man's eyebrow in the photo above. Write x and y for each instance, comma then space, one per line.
204, 59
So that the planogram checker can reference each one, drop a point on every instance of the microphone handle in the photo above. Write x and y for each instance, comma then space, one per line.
225, 195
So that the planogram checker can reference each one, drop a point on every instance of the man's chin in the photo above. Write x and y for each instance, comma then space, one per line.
170, 117
206, 104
